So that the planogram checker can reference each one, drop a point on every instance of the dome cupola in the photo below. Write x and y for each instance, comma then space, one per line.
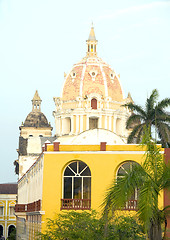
92, 43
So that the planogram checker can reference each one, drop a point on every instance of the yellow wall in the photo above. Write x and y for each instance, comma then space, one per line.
7, 201
103, 166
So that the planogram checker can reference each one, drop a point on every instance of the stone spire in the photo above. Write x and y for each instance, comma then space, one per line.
36, 102
91, 43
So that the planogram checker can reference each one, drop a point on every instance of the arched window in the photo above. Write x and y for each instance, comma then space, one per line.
11, 229
1, 231
123, 169
94, 103
76, 186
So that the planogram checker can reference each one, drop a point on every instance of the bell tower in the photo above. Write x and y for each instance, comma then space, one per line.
34, 132
36, 102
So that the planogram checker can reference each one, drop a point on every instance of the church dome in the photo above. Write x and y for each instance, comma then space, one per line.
36, 119
91, 97
92, 75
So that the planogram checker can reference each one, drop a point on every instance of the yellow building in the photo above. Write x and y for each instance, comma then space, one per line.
71, 177
8, 193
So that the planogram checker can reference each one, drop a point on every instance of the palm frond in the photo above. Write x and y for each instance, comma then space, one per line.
153, 97
134, 119
164, 181
133, 135
147, 204
135, 108
163, 104
151, 101
139, 135
163, 133
122, 189
154, 164
163, 118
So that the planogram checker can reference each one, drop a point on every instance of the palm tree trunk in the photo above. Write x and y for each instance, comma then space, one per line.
165, 229
155, 231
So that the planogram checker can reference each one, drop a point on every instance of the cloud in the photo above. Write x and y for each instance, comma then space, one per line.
133, 9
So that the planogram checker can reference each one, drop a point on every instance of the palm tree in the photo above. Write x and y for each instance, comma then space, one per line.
150, 179
153, 114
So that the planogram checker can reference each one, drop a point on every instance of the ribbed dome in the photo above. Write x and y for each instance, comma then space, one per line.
92, 75
36, 119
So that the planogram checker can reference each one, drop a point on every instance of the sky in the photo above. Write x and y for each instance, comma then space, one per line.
40, 40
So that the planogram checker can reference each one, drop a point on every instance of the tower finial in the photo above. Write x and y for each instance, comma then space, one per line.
91, 43
92, 36
36, 102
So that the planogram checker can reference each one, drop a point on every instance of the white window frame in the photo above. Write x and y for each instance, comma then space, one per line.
76, 175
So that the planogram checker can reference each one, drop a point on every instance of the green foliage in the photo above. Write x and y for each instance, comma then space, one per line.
12, 235
150, 179
73, 225
126, 228
153, 114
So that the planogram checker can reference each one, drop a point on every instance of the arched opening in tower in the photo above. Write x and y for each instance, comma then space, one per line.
93, 122
66, 125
